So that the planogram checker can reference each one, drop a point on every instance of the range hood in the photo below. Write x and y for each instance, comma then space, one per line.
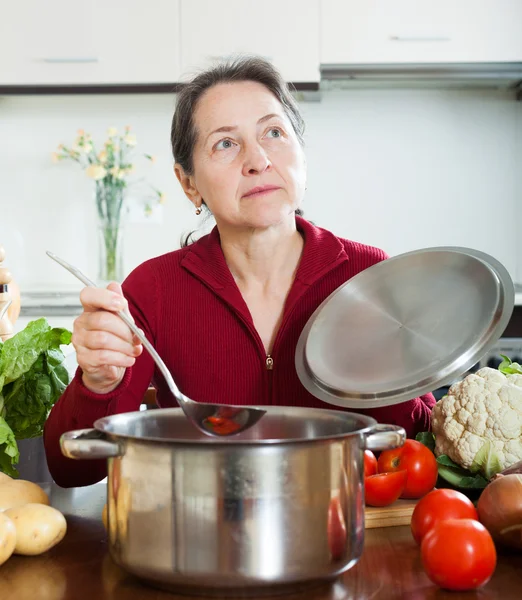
502, 75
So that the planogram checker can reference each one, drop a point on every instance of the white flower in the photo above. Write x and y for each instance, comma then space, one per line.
112, 131
117, 173
130, 139
87, 148
102, 156
95, 172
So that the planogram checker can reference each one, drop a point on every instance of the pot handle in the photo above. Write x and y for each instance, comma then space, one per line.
88, 444
384, 437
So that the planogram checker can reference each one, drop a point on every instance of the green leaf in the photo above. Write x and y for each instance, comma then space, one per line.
29, 399
32, 378
20, 352
446, 461
486, 461
427, 439
462, 478
508, 367
9, 454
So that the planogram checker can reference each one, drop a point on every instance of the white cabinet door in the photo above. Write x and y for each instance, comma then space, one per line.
61, 42
410, 31
284, 31
138, 41
46, 42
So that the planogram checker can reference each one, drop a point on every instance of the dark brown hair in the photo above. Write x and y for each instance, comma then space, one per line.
183, 133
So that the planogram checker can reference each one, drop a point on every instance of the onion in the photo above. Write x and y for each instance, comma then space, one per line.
500, 510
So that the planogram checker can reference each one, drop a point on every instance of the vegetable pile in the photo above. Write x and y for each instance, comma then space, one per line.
32, 378
28, 525
406, 472
457, 551
474, 449
476, 427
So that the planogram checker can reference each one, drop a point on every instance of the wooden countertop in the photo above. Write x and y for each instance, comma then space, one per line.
80, 567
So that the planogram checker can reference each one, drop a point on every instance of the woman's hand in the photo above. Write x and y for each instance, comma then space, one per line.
104, 345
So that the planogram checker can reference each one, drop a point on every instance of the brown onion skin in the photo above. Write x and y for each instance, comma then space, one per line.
500, 510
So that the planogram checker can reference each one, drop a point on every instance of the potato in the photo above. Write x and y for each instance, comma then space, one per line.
7, 537
18, 492
38, 528
4, 478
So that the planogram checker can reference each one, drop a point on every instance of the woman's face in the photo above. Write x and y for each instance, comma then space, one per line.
249, 167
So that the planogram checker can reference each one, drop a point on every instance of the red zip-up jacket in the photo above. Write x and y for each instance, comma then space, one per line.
192, 311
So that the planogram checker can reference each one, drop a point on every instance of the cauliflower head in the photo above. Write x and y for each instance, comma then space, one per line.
486, 405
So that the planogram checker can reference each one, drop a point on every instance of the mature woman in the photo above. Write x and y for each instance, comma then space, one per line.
225, 312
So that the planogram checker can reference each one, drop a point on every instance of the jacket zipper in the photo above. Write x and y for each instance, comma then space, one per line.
269, 362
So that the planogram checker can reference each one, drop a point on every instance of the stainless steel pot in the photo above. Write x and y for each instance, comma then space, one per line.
278, 505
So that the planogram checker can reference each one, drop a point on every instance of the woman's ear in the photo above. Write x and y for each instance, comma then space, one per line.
189, 185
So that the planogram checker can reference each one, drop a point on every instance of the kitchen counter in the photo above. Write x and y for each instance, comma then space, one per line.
80, 567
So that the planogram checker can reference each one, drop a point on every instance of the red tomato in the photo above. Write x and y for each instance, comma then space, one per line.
384, 488
459, 554
336, 529
370, 463
221, 425
418, 461
437, 506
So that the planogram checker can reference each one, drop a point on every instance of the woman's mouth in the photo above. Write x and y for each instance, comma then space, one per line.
261, 190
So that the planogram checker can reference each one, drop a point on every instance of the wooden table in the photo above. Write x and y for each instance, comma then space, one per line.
80, 567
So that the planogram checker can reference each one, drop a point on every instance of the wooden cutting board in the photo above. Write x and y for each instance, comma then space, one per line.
398, 513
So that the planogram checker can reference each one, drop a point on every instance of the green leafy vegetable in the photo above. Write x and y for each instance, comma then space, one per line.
508, 367
486, 464
9, 454
458, 476
445, 460
427, 439
486, 461
32, 378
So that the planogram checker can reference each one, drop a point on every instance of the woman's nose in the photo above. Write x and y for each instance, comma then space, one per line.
256, 160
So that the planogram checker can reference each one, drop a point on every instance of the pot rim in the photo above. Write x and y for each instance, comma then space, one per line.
106, 424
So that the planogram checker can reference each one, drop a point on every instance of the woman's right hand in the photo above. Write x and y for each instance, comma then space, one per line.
104, 345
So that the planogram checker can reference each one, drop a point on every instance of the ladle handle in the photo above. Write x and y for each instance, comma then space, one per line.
124, 316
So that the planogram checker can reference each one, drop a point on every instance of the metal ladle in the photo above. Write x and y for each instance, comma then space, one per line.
213, 419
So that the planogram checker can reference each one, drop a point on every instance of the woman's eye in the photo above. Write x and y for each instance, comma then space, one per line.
224, 145
274, 132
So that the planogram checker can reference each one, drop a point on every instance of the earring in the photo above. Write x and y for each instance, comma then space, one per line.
198, 210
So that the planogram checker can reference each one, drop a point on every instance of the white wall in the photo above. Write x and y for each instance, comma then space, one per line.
394, 168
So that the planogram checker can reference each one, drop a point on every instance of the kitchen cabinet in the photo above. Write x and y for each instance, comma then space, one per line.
59, 42
286, 32
429, 31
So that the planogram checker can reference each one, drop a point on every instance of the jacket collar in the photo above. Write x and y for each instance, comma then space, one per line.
322, 252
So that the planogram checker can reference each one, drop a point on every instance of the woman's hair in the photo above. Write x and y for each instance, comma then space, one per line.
183, 133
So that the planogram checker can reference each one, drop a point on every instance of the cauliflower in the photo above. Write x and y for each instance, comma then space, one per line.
484, 407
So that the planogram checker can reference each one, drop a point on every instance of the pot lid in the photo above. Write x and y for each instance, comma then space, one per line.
404, 327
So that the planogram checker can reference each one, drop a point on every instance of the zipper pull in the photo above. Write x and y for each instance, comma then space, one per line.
269, 363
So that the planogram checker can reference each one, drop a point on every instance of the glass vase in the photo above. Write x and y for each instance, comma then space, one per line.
110, 254
110, 208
